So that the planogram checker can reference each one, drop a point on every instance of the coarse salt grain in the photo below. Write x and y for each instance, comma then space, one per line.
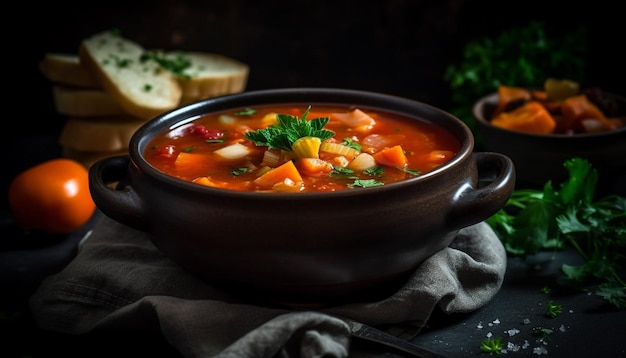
512, 332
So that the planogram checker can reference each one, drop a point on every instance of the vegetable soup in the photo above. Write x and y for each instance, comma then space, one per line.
288, 148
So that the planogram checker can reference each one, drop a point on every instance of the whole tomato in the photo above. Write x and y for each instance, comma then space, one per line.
52, 197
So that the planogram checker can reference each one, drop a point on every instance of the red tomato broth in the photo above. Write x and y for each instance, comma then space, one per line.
184, 153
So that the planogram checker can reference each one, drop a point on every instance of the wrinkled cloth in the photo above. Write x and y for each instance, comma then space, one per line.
119, 279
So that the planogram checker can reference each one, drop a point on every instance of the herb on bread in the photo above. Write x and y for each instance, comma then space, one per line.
176, 64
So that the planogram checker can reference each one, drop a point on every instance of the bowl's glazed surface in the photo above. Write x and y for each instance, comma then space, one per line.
304, 247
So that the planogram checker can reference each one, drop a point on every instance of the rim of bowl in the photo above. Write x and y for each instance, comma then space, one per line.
319, 95
478, 112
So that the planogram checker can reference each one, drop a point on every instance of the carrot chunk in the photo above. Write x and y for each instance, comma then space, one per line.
509, 94
286, 171
392, 156
578, 108
532, 117
313, 166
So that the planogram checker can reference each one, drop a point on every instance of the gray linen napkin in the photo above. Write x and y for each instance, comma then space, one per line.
119, 279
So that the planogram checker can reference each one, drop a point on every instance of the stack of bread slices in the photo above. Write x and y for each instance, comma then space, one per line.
113, 85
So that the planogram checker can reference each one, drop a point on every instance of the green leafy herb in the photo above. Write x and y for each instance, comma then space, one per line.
289, 129
246, 112
352, 144
414, 172
374, 171
188, 149
553, 309
177, 64
536, 220
239, 171
492, 345
365, 183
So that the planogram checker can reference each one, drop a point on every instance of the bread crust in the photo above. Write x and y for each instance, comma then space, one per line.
82, 102
66, 69
211, 75
103, 134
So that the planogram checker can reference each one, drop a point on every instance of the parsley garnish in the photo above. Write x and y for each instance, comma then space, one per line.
553, 309
374, 171
289, 129
246, 112
364, 183
177, 65
239, 171
492, 345
553, 219
351, 144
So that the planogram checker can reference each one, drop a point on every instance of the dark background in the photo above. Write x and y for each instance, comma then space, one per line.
400, 47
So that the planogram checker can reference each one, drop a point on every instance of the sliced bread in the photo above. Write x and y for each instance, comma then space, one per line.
98, 134
142, 87
66, 69
82, 102
210, 75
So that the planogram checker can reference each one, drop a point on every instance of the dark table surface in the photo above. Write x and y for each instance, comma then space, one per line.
588, 326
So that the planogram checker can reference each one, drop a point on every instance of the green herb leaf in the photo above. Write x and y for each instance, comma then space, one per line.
246, 112
535, 220
492, 345
365, 183
289, 129
554, 309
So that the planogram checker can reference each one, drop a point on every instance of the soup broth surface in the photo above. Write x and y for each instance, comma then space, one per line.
367, 148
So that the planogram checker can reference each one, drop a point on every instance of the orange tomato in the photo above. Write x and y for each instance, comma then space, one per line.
52, 197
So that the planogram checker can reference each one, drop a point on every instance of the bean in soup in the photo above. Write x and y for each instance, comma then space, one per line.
287, 148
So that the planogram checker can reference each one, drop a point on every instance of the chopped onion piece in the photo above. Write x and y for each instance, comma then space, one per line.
233, 151
362, 162
226, 119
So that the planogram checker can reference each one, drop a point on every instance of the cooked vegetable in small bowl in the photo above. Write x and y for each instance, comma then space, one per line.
539, 129
303, 195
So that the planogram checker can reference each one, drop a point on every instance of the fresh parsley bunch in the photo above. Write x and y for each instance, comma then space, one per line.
289, 129
536, 220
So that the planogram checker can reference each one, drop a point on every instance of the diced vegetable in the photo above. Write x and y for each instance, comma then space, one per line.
233, 151
362, 162
313, 166
508, 95
339, 149
357, 119
272, 158
560, 89
577, 108
532, 117
393, 156
279, 174
306, 147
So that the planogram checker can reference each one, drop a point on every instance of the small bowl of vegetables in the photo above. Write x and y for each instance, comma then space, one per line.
540, 129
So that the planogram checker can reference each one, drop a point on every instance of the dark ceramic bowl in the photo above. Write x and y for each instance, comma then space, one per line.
540, 157
304, 247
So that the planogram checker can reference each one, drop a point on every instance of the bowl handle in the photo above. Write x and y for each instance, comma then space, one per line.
496, 182
113, 196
